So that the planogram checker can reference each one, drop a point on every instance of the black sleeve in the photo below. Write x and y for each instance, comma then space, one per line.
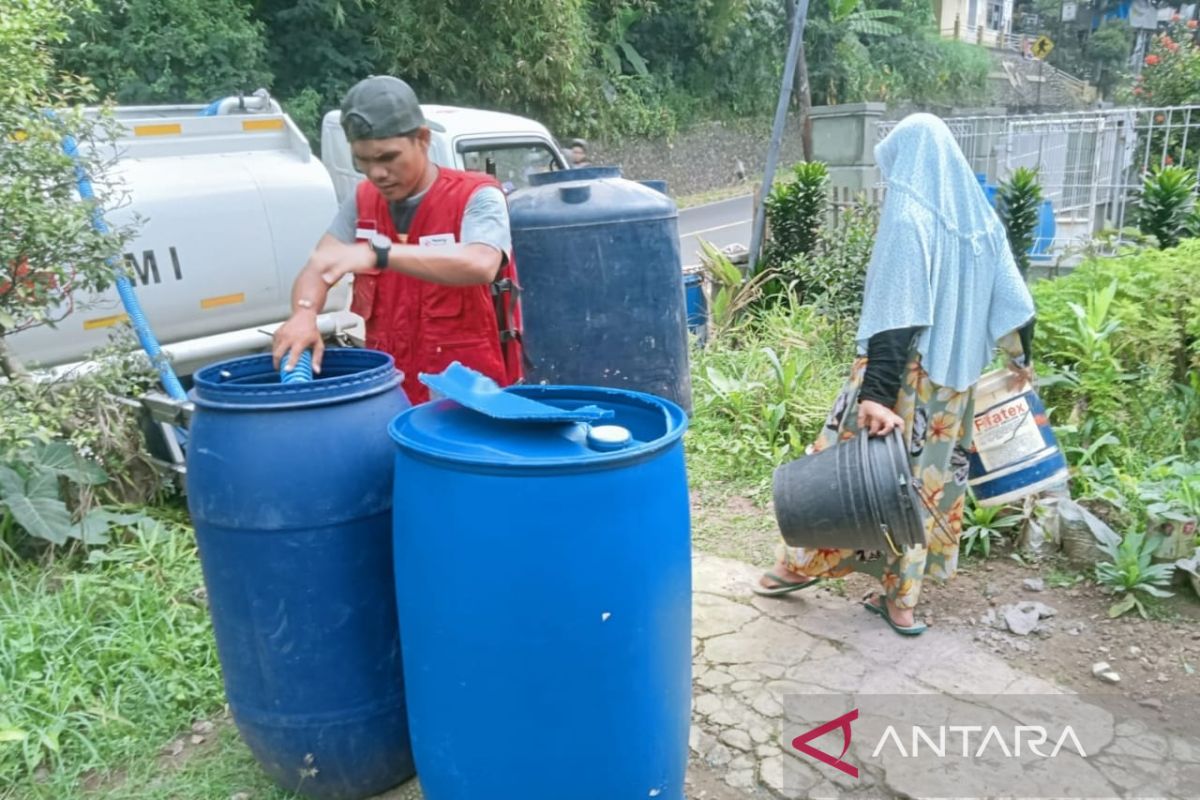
1026, 335
887, 355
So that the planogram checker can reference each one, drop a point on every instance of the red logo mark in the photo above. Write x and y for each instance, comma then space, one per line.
801, 743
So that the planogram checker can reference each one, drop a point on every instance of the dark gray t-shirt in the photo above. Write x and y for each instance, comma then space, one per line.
485, 219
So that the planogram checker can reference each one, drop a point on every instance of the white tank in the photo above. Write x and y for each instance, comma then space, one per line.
231, 206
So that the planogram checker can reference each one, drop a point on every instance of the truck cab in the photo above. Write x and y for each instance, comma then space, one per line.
508, 147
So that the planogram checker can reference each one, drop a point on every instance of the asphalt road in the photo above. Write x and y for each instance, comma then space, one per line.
722, 223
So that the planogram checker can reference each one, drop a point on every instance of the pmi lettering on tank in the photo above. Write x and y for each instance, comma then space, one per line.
1007, 433
147, 268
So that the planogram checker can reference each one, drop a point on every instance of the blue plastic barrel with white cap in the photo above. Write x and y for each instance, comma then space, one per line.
543, 580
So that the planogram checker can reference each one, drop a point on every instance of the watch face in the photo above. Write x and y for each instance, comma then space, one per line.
380, 241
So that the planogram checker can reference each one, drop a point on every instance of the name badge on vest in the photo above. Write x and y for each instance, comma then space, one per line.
364, 229
437, 240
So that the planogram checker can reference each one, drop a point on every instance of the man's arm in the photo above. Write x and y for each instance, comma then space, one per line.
309, 293
485, 243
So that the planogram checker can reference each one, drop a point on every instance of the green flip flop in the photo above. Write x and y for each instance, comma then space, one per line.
784, 587
881, 609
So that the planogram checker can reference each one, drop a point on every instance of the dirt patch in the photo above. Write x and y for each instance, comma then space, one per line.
1156, 659
731, 522
199, 741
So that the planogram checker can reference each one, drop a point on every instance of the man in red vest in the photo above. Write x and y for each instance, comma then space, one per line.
429, 248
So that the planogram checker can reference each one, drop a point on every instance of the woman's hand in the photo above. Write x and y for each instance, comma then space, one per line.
877, 419
1020, 376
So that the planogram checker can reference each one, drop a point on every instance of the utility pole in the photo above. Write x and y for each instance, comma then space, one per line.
785, 94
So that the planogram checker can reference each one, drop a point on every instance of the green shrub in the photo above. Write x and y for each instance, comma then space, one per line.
1166, 206
761, 399
70, 449
833, 276
1121, 339
1019, 204
796, 212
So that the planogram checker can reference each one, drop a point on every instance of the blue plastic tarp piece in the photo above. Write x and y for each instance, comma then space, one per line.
480, 393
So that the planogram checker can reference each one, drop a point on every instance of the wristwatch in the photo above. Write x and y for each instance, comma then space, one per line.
382, 245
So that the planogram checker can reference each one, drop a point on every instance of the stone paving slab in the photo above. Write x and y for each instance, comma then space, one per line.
829, 648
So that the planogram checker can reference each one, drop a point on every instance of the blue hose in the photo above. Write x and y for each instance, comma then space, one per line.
301, 373
129, 299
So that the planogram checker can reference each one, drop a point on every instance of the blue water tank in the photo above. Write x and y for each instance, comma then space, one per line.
1046, 226
696, 302
543, 574
602, 283
289, 487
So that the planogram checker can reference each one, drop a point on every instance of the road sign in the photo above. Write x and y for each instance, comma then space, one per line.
1042, 47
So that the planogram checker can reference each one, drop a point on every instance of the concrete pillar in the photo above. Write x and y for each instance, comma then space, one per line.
844, 137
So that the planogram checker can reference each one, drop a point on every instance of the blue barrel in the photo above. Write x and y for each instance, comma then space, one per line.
1046, 226
543, 573
696, 303
1046, 229
289, 487
602, 283
1014, 452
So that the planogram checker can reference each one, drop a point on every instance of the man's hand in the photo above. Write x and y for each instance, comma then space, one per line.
336, 260
877, 419
293, 337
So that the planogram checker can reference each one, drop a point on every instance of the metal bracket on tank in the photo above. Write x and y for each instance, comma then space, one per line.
166, 409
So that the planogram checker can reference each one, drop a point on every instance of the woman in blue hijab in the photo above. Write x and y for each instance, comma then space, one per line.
942, 292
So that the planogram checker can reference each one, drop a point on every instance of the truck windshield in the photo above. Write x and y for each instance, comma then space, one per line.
511, 164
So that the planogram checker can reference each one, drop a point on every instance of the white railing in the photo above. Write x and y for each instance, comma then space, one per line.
1091, 164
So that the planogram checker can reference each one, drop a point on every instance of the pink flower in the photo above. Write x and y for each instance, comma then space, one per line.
1151, 60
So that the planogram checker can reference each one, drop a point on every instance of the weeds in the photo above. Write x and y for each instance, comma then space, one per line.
1130, 572
100, 663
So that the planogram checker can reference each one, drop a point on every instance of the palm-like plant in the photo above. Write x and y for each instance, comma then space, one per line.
1167, 204
1131, 572
983, 525
796, 212
1019, 204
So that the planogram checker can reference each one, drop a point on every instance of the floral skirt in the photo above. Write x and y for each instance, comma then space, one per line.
938, 440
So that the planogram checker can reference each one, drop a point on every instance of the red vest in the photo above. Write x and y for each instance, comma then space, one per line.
423, 325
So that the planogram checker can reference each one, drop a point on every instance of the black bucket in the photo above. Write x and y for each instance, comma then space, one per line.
857, 495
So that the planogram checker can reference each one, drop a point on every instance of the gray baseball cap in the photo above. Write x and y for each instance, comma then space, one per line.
380, 107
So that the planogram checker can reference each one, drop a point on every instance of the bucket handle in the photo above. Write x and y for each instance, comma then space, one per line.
864, 444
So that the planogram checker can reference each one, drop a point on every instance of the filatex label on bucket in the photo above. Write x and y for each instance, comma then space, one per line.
1007, 433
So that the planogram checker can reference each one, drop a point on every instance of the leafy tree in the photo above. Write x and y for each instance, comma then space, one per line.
1108, 50
167, 51
48, 246
1171, 75
527, 56
1100, 57
317, 49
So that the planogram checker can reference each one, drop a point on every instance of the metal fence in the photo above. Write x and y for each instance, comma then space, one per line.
1091, 165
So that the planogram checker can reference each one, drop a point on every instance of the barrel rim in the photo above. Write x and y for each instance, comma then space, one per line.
576, 174
377, 373
677, 424
990, 382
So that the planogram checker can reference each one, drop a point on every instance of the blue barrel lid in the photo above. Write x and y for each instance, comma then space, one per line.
586, 196
252, 383
640, 425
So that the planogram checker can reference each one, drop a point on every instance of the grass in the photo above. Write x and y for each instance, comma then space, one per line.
716, 195
102, 663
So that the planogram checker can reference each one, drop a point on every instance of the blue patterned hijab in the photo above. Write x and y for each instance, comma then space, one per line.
941, 259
